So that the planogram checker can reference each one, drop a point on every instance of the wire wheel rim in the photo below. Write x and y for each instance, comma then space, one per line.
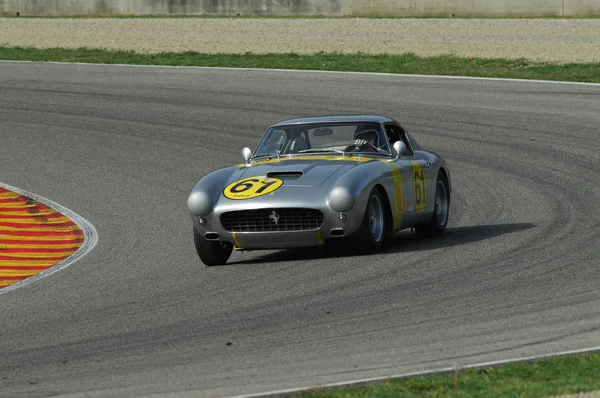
376, 218
441, 204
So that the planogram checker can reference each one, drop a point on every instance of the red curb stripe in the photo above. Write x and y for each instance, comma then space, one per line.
41, 222
33, 216
35, 256
50, 218
56, 259
35, 250
23, 199
40, 225
18, 199
38, 233
27, 209
39, 214
14, 278
25, 221
39, 206
40, 242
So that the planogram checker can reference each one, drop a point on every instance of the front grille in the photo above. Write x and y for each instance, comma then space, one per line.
267, 220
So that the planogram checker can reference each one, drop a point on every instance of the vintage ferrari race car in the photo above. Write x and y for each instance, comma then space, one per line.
354, 179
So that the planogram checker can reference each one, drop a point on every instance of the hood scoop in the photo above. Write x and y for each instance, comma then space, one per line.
291, 174
295, 172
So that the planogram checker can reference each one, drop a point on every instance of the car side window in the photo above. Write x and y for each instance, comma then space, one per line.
395, 133
392, 134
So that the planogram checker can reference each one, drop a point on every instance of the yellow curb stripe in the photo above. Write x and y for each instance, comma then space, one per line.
8, 195
38, 246
29, 213
34, 255
22, 263
49, 228
35, 220
41, 238
33, 237
23, 273
18, 205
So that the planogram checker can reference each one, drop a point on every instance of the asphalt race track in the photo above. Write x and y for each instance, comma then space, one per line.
517, 273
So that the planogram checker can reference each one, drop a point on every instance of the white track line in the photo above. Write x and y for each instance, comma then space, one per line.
376, 380
314, 71
89, 241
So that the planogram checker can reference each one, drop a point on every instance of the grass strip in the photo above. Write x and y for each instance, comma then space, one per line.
358, 62
542, 378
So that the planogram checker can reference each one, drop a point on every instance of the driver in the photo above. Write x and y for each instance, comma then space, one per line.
367, 139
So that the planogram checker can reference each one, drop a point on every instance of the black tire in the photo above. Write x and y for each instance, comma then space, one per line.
372, 232
212, 252
436, 225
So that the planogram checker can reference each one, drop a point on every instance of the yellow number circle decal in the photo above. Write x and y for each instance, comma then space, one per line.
251, 187
420, 188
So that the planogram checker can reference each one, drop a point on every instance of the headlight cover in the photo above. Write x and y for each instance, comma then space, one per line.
340, 199
199, 203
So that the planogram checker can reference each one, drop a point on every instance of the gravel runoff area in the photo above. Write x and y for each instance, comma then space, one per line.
544, 40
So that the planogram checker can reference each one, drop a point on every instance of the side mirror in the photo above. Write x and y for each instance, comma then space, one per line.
246, 153
399, 148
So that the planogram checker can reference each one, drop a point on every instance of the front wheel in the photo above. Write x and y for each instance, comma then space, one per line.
371, 234
212, 252
438, 221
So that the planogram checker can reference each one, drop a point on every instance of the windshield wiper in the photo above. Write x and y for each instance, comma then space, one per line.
320, 151
266, 155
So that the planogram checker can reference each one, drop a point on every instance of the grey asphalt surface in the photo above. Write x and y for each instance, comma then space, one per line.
516, 274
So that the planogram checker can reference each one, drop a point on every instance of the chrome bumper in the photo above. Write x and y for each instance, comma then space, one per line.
333, 227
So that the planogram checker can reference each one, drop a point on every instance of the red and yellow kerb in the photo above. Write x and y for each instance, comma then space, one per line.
33, 237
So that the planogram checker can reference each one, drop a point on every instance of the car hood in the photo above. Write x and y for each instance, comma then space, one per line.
298, 172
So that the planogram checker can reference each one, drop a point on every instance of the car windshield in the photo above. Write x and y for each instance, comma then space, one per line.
364, 138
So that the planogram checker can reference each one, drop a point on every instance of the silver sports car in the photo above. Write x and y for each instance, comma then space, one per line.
310, 181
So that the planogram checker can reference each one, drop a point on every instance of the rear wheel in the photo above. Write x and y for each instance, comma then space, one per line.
371, 234
212, 252
438, 221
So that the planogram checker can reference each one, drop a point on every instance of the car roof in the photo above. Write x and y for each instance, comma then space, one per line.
333, 119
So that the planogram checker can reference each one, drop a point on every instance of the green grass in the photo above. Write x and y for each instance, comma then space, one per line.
405, 64
542, 378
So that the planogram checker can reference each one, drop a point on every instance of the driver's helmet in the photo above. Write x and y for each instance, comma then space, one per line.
369, 134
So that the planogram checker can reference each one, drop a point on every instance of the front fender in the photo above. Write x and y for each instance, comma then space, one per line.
360, 180
207, 190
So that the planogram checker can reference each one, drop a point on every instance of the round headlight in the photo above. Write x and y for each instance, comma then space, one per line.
340, 199
199, 204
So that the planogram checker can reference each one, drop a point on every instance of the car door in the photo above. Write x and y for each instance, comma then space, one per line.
414, 178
